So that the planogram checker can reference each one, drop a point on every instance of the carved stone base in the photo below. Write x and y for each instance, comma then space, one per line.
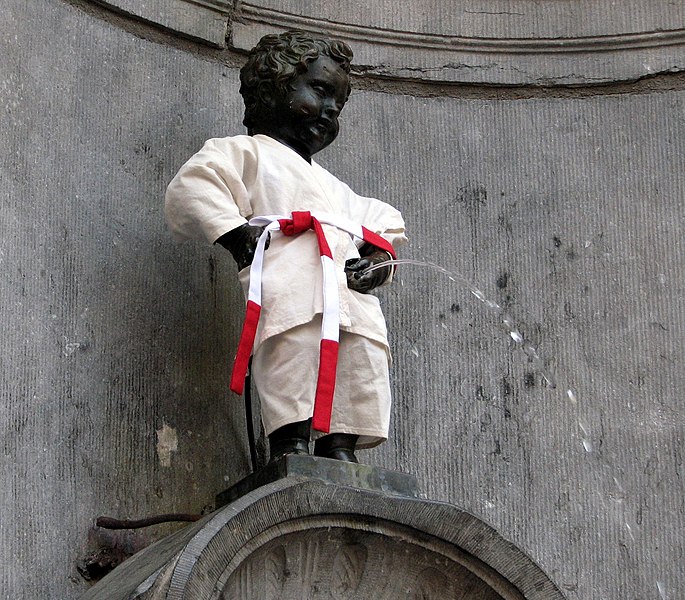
308, 535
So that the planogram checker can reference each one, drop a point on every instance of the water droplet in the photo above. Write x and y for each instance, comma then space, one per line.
530, 350
572, 396
662, 589
70, 348
516, 336
444, 326
587, 444
415, 351
585, 430
551, 383
508, 322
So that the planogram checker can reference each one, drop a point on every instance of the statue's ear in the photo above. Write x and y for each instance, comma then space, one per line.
267, 95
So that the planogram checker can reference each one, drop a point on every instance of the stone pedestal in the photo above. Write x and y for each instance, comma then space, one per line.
308, 527
362, 477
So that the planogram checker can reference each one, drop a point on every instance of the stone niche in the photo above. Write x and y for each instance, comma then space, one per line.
315, 528
506, 42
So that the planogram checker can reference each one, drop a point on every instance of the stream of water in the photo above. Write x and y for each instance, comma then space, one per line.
505, 318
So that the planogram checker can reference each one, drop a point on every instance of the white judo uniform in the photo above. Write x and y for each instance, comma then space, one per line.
231, 180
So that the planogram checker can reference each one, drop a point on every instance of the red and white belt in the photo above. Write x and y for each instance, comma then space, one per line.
299, 222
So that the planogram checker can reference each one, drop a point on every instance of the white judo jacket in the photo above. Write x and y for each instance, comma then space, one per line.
233, 179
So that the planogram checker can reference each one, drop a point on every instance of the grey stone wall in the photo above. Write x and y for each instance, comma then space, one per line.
564, 206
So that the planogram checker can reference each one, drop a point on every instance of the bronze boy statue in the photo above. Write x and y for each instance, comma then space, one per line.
318, 337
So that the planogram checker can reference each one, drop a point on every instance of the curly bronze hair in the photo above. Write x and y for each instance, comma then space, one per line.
278, 59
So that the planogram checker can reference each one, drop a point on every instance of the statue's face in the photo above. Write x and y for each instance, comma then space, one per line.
306, 119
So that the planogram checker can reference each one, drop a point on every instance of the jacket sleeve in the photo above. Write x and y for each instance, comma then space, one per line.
209, 195
378, 216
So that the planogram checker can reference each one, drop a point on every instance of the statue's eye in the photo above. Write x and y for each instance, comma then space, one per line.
319, 89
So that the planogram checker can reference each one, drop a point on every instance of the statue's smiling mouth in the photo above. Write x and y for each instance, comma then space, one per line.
321, 129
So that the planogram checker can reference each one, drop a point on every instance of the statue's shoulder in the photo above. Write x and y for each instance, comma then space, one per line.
234, 149
233, 141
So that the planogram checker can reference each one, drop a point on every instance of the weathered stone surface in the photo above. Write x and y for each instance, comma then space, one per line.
567, 212
106, 390
299, 537
198, 19
495, 19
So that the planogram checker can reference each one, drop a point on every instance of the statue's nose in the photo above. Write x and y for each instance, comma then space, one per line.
331, 109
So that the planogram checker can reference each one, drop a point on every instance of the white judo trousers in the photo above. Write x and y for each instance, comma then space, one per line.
285, 375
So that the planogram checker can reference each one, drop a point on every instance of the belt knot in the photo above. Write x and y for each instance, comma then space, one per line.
301, 221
